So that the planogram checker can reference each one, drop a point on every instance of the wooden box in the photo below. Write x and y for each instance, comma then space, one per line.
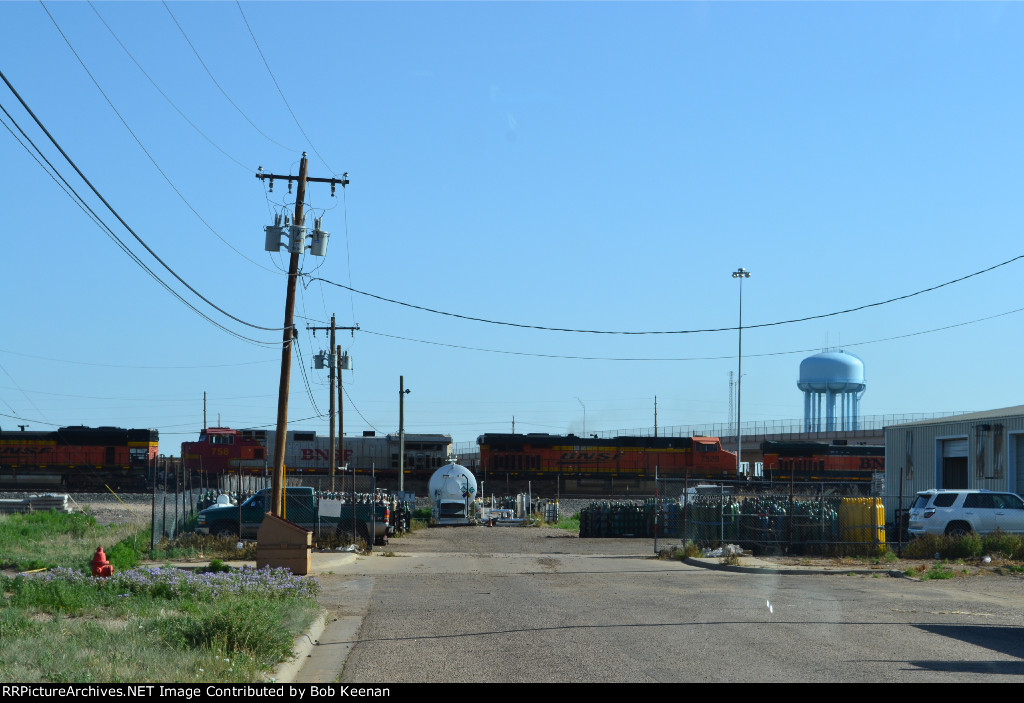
282, 543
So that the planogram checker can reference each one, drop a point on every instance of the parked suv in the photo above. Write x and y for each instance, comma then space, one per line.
959, 512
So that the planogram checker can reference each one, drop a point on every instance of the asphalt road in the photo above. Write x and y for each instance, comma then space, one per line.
509, 605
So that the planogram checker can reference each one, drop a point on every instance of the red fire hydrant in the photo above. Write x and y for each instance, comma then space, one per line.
101, 568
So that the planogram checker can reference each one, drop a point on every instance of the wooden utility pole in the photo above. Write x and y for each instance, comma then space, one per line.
277, 480
341, 424
330, 391
335, 364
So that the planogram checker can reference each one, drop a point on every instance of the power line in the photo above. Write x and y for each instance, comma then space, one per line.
305, 378
692, 358
280, 92
221, 89
144, 149
164, 367
80, 202
654, 332
121, 220
358, 411
165, 96
27, 397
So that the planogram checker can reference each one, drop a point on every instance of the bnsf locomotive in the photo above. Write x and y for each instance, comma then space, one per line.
78, 458
222, 450
818, 461
543, 456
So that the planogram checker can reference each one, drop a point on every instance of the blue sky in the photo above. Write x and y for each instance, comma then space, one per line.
601, 166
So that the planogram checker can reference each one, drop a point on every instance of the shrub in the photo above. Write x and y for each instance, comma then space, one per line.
217, 567
1008, 546
946, 546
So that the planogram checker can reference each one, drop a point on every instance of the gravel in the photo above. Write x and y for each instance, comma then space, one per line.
107, 508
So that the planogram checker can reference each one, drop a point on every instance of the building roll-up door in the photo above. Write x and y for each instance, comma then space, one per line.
954, 448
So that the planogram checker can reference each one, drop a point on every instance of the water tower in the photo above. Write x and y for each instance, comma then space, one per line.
835, 379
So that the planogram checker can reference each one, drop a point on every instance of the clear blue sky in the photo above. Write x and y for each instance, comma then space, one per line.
576, 165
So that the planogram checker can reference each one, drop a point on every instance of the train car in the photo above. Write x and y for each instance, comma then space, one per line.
544, 456
819, 461
223, 450
78, 458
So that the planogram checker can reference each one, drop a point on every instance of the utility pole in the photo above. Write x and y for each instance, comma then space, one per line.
330, 391
341, 426
296, 247
402, 390
334, 362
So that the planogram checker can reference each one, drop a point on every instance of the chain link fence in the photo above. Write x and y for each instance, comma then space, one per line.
809, 518
177, 499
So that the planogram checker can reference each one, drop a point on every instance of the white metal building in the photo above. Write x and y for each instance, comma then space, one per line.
976, 450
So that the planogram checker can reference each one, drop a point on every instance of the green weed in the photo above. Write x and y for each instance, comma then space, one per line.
939, 570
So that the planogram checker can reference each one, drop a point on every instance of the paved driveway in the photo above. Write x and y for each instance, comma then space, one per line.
534, 605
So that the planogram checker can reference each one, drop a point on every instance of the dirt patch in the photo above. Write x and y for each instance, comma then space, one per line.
912, 567
116, 513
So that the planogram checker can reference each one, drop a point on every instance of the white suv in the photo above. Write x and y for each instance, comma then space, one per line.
959, 512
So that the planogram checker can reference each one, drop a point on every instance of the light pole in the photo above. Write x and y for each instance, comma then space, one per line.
740, 273
402, 390
584, 415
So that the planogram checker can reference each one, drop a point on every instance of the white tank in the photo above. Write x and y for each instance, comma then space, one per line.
834, 379
452, 490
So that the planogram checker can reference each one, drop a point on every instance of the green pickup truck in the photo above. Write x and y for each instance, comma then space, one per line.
304, 508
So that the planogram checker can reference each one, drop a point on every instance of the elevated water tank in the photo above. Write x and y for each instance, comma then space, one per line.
834, 379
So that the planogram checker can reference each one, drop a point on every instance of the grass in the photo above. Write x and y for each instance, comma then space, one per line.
1000, 545
218, 624
571, 523
938, 570
148, 625
71, 540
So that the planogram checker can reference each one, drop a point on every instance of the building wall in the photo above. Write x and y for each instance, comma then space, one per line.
994, 445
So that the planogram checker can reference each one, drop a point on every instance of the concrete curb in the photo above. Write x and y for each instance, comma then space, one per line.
716, 565
287, 671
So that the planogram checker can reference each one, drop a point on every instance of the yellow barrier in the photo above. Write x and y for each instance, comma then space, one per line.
863, 521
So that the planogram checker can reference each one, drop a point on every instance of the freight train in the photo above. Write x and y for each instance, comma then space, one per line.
520, 457
223, 450
818, 461
78, 459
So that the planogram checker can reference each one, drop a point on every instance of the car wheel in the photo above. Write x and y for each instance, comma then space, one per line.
224, 529
958, 529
